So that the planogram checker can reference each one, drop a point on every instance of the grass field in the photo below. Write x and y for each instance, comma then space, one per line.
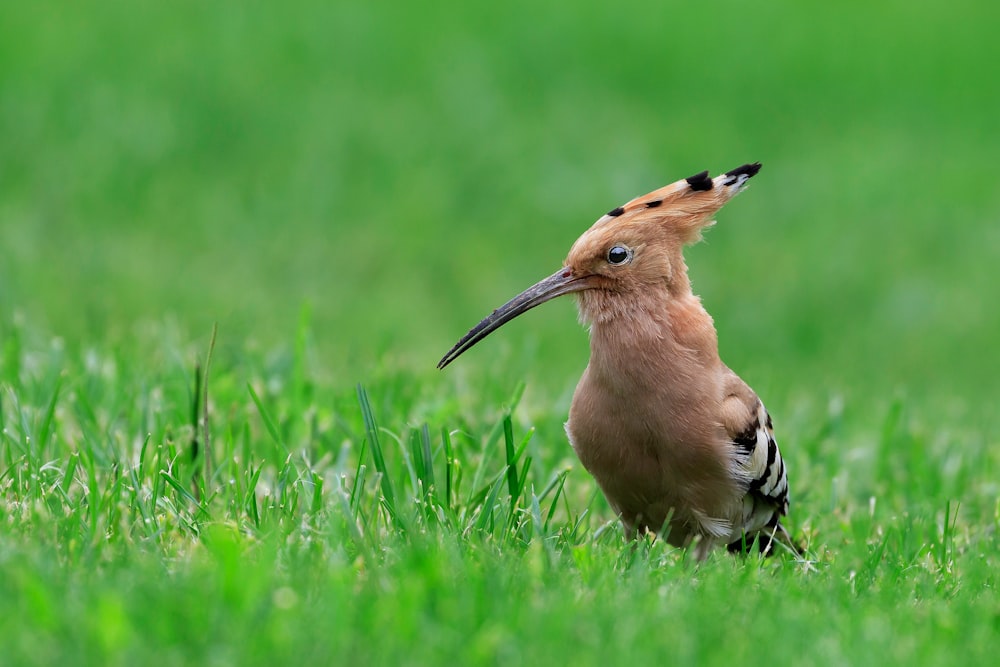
342, 189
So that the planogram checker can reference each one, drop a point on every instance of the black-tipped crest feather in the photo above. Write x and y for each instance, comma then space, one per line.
748, 170
700, 181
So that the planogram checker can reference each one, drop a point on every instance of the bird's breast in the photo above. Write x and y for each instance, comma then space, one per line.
654, 448
636, 426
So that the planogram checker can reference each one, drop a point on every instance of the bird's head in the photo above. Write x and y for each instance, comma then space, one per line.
628, 252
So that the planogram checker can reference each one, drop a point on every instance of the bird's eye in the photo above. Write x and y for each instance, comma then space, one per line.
619, 254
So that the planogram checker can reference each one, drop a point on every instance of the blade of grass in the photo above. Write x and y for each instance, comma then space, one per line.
489, 505
187, 495
449, 462
206, 435
45, 428
508, 438
268, 422
250, 497
428, 458
195, 407
375, 446
317, 495
357, 489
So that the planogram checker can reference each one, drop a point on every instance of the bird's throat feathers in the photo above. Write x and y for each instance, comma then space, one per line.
629, 331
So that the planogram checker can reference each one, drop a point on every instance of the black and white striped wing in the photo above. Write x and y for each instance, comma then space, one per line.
766, 500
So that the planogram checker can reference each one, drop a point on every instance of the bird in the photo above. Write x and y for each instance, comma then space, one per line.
681, 447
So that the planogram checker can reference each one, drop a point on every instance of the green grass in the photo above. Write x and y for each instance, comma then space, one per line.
343, 189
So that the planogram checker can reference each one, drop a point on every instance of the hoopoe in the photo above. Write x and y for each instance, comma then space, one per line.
678, 443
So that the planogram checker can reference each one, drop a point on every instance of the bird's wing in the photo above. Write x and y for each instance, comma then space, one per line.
760, 459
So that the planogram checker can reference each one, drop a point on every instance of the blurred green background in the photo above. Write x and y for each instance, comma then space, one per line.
402, 168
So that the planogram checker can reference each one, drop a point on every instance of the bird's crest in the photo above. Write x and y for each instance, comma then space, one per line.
687, 206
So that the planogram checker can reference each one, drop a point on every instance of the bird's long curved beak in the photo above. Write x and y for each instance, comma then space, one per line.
561, 282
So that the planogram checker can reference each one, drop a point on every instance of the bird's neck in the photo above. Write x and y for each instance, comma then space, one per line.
654, 336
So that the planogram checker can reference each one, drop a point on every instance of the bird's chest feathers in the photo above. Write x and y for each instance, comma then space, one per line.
664, 357
645, 402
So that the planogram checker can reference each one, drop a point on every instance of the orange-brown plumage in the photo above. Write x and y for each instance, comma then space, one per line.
678, 442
